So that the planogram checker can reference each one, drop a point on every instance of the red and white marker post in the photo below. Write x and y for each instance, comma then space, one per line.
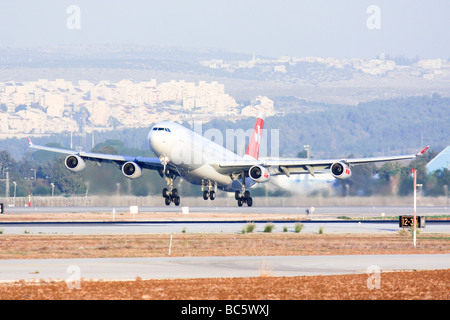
414, 171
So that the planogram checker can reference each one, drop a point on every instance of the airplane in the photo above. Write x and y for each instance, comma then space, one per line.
184, 153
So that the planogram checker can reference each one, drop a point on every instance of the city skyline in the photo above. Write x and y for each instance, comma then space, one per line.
67, 105
44, 106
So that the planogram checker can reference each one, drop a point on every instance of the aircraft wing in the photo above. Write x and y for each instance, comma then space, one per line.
143, 162
302, 166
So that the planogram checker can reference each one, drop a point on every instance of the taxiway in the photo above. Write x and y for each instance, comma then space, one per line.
215, 267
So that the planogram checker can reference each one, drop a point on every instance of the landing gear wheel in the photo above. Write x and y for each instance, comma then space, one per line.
243, 197
205, 195
170, 194
212, 195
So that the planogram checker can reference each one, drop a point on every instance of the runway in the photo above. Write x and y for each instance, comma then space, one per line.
323, 218
185, 226
214, 267
220, 219
322, 211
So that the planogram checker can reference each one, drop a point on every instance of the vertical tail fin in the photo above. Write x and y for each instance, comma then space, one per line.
255, 139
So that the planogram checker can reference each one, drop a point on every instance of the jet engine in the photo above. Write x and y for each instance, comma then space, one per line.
74, 163
340, 170
259, 174
131, 170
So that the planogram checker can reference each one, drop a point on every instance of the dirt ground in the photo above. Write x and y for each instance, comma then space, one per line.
432, 285
31, 246
423, 285
145, 216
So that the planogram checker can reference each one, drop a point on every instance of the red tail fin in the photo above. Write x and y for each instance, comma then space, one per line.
255, 139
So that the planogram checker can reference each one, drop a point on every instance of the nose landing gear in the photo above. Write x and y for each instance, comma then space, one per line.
170, 194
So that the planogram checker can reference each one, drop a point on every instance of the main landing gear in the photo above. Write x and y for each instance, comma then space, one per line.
243, 198
209, 191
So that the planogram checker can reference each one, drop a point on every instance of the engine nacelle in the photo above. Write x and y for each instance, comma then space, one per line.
131, 170
340, 170
74, 163
259, 174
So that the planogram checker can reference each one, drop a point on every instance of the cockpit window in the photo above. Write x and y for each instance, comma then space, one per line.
161, 129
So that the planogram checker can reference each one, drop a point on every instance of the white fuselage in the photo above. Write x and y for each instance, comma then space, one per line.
191, 154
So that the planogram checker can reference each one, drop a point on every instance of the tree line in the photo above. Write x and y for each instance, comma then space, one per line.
396, 178
38, 170
381, 127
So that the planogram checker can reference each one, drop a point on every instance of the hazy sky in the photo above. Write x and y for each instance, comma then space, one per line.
326, 28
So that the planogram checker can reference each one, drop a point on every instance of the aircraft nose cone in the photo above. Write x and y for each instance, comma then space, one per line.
152, 140
157, 142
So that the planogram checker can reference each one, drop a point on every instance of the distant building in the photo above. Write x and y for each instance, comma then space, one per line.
3, 122
260, 104
54, 104
31, 106
440, 162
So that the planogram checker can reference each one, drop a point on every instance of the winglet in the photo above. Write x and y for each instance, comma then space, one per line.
29, 141
423, 151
